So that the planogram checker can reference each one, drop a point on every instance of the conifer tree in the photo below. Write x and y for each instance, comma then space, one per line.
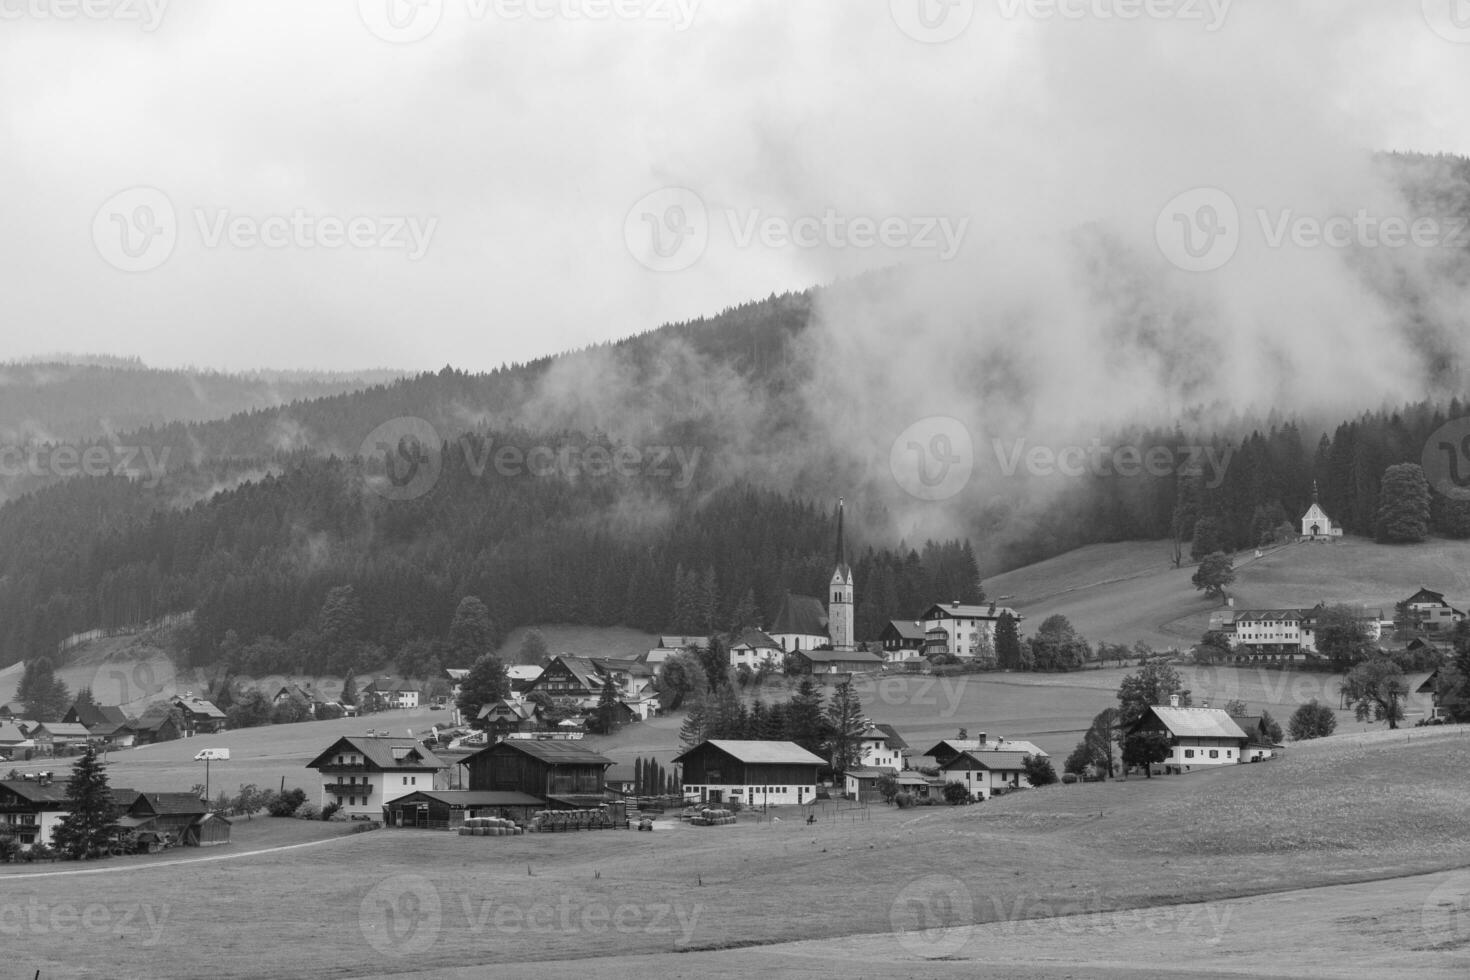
88, 826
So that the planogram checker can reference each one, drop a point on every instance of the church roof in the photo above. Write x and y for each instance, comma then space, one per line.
800, 615
756, 640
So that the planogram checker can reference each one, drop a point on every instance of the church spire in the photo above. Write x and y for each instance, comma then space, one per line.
841, 546
1314, 491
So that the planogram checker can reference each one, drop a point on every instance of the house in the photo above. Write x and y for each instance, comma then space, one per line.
14, 710
310, 698
105, 723
901, 640
1283, 635
365, 772
1430, 611
829, 661
56, 737
158, 724
1316, 525
1259, 743
447, 809
947, 749
986, 771
506, 717
619, 779
861, 783
581, 680
522, 676
1197, 736
13, 742
564, 774
30, 809
683, 643
169, 815
968, 631
750, 772
394, 692
200, 717
880, 747
755, 649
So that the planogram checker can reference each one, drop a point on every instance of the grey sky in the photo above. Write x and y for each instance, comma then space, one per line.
480, 185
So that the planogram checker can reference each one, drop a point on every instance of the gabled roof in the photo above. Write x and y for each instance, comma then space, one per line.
962, 610
518, 709
61, 729
560, 752
755, 640
1427, 596
1268, 616
839, 656
800, 615
472, 797
384, 753
168, 804
199, 706
871, 772
992, 759
33, 792
108, 716
1198, 722
957, 745
756, 752
679, 642
524, 672
895, 740
10, 733
907, 629
153, 719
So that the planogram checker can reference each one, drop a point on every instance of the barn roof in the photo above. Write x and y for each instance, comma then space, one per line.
552, 751
472, 797
1198, 722
385, 753
755, 752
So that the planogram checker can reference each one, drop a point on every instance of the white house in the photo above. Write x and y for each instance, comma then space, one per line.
1197, 736
1431, 611
983, 771
754, 773
754, 649
365, 772
880, 748
30, 809
967, 631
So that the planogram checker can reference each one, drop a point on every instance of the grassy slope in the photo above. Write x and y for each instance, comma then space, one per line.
1128, 592
1345, 809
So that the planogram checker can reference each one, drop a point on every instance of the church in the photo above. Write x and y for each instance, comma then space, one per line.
1316, 525
803, 624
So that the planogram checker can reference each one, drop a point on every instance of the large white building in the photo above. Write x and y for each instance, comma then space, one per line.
1197, 736
966, 631
365, 772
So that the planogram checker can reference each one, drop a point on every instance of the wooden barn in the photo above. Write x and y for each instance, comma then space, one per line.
447, 809
754, 773
564, 774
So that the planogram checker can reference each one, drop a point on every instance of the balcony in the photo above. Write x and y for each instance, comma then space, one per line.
348, 789
343, 767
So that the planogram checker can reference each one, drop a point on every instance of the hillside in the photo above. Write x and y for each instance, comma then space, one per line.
1127, 592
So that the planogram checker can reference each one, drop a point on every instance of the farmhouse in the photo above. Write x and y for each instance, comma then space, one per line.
506, 717
1430, 611
364, 773
880, 746
1259, 743
158, 724
180, 818
965, 631
52, 737
29, 809
564, 774
755, 649
861, 783
902, 640
985, 771
1197, 736
200, 717
447, 809
105, 723
948, 749
750, 772
831, 661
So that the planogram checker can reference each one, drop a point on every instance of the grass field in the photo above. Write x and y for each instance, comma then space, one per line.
1345, 809
1128, 592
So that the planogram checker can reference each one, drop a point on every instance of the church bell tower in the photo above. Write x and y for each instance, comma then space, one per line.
840, 595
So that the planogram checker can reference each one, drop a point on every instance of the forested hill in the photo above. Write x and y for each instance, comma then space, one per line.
81, 399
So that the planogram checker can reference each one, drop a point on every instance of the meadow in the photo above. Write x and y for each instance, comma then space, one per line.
1347, 809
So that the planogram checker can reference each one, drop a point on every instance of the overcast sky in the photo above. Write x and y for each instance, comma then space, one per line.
342, 184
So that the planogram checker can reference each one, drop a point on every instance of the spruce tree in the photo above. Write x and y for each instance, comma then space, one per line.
1007, 643
89, 825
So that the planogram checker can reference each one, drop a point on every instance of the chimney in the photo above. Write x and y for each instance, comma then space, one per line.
1173, 700
1204, 704
982, 740
955, 604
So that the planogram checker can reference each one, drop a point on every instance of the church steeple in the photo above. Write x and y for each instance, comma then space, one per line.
840, 593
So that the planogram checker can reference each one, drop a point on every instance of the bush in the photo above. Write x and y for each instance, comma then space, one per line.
1312, 720
362, 826
904, 800
330, 810
287, 803
9, 848
1039, 771
39, 852
956, 793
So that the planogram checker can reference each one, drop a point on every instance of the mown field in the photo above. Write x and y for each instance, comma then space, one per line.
1342, 810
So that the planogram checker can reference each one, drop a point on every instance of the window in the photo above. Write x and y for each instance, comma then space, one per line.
1214, 753
1189, 753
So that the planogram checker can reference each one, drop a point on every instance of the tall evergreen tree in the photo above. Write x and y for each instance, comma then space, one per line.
486, 683
1007, 643
89, 825
471, 632
846, 724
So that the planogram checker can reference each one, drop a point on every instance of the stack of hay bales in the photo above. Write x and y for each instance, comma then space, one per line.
645, 824
557, 821
489, 827
713, 818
